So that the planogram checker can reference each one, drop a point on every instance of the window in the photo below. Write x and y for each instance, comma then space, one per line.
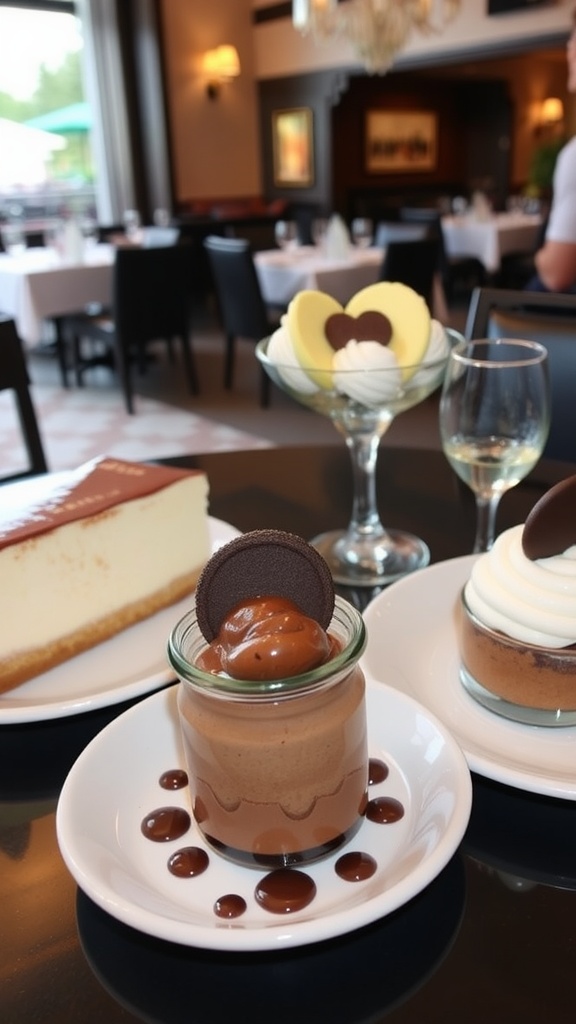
45, 121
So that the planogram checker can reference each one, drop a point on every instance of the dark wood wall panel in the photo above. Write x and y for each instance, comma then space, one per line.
473, 143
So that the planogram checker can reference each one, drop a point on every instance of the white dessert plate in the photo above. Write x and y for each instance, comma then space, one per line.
107, 794
412, 646
129, 665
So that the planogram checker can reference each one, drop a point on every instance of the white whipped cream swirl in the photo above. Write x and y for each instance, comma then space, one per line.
438, 349
367, 372
280, 351
530, 601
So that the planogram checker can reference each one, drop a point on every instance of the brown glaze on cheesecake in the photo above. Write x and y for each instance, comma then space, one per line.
87, 553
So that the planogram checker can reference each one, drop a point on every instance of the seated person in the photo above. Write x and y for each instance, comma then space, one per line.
556, 260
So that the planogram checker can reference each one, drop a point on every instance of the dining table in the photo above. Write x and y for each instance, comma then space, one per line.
39, 284
492, 236
490, 936
284, 272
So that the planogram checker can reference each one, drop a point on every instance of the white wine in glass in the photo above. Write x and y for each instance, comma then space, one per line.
494, 420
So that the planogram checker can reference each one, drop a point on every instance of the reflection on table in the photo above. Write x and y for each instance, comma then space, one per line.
473, 946
491, 239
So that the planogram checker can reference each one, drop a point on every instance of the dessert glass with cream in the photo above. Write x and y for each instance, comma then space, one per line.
516, 617
361, 366
278, 767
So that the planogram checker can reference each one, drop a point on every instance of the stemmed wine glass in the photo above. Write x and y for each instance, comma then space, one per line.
132, 224
286, 234
362, 230
494, 420
361, 404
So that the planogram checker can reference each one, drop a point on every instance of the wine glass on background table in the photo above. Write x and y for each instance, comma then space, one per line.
286, 234
361, 403
362, 230
132, 222
494, 420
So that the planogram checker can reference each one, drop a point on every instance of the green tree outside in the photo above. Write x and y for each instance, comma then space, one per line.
55, 89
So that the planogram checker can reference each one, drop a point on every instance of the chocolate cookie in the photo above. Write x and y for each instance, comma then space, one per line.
260, 563
550, 527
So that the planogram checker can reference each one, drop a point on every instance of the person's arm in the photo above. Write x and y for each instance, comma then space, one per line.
556, 265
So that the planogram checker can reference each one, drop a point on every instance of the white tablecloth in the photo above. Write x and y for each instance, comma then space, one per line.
38, 284
491, 239
283, 273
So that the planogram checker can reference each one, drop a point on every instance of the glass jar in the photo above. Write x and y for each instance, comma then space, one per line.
278, 769
516, 679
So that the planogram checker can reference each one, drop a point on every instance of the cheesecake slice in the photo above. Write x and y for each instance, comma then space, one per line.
85, 554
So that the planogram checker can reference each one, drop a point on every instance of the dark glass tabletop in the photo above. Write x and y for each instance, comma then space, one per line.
492, 937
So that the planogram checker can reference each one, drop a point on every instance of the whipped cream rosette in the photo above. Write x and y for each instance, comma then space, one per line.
516, 621
525, 586
531, 601
383, 342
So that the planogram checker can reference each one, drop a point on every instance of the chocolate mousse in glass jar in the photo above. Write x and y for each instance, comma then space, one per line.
278, 768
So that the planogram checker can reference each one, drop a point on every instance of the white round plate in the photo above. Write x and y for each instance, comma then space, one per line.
115, 783
412, 646
128, 665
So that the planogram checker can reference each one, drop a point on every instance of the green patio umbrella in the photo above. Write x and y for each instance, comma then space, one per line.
75, 118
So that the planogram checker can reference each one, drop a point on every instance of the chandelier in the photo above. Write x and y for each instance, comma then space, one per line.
377, 29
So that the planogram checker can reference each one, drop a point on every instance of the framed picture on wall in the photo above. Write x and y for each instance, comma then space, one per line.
400, 141
293, 147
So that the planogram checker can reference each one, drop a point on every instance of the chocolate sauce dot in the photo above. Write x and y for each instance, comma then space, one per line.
165, 823
176, 778
384, 810
283, 891
230, 906
188, 862
377, 771
355, 867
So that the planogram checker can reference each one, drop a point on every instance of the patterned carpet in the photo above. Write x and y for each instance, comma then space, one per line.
76, 427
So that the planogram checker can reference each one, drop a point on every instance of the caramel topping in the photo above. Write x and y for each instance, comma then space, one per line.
267, 638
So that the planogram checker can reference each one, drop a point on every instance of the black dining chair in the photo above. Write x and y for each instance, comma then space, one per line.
460, 274
151, 301
551, 320
14, 377
413, 263
243, 311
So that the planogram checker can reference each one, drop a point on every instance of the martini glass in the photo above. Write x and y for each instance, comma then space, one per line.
365, 554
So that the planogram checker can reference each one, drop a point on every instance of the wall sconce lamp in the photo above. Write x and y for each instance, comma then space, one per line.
551, 112
220, 65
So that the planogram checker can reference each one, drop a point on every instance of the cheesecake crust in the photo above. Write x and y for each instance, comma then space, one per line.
23, 665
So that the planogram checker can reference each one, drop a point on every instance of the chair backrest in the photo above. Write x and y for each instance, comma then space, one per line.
414, 264
155, 235
551, 320
14, 377
152, 292
240, 301
394, 231
430, 219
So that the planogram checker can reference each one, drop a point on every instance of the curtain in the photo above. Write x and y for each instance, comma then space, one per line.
106, 92
124, 85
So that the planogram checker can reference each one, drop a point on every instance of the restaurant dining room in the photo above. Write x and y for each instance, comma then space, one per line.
287, 494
